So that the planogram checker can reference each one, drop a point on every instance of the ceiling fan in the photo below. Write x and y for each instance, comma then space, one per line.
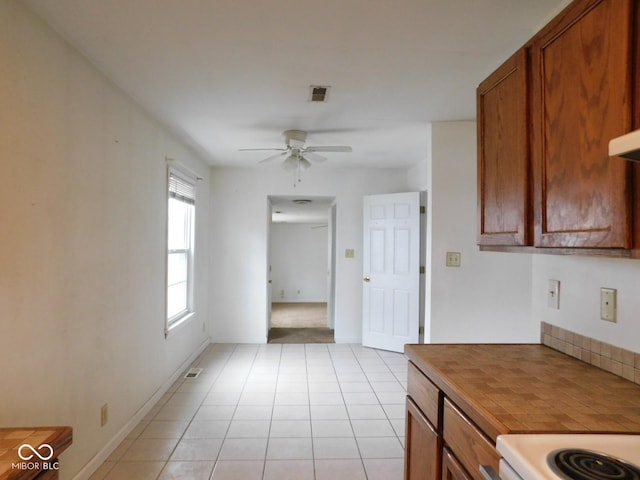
298, 156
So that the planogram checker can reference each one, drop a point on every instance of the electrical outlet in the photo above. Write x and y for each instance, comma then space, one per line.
349, 253
608, 304
453, 259
104, 414
553, 294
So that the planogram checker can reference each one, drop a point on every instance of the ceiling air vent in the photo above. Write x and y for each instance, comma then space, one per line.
193, 373
319, 93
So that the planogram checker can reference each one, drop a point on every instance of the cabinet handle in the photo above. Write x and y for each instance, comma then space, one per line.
366, 279
489, 472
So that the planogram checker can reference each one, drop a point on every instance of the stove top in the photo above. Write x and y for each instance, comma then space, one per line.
572, 456
581, 464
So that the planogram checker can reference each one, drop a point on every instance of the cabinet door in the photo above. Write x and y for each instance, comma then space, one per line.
581, 81
503, 155
451, 468
423, 447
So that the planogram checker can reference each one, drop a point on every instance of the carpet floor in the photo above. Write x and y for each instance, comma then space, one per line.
301, 335
298, 315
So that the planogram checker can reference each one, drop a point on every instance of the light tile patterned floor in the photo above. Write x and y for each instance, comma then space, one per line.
274, 412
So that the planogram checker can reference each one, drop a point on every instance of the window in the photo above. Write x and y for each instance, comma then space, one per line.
180, 228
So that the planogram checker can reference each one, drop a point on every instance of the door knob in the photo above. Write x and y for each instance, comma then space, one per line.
367, 279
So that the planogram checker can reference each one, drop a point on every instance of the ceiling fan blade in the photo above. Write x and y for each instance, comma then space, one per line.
262, 149
329, 149
314, 157
273, 157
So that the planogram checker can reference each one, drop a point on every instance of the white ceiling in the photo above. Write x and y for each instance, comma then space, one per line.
312, 209
229, 74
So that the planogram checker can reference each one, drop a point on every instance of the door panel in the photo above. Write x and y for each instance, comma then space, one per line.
391, 256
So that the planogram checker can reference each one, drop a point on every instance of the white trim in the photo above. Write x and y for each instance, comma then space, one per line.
357, 340
173, 163
92, 465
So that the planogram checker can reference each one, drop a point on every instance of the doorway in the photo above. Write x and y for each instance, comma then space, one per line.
301, 269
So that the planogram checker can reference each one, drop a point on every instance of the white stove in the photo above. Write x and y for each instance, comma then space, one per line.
533, 457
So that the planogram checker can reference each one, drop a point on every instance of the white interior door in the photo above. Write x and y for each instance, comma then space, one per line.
391, 271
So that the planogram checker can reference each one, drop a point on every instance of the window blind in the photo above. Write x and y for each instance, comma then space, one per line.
181, 189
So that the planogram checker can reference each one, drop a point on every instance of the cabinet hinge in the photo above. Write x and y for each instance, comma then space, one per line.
422, 270
423, 210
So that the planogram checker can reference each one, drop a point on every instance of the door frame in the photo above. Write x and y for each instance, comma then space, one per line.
331, 263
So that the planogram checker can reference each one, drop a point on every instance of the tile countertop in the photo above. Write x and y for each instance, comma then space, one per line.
506, 388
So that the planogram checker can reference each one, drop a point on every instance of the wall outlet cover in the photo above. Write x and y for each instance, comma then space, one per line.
608, 304
453, 259
553, 294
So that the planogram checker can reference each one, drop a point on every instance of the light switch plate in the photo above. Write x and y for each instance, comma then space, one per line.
453, 259
349, 253
608, 304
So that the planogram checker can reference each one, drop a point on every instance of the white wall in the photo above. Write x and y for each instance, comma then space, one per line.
580, 281
487, 298
239, 242
299, 262
82, 210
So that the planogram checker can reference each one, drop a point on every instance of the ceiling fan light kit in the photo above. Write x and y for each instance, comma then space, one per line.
299, 157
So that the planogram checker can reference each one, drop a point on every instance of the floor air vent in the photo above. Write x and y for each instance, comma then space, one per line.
193, 373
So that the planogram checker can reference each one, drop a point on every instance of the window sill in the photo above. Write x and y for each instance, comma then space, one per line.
175, 325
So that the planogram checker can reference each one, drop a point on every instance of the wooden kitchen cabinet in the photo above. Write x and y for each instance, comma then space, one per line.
504, 172
423, 446
545, 117
582, 69
441, 442
451, 468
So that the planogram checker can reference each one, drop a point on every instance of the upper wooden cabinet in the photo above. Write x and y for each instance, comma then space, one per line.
582, 67
545, 178
503, 155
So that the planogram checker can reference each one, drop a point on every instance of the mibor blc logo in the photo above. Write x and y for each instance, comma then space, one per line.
35, 458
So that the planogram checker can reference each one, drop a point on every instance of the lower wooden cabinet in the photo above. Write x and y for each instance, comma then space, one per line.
423, 446
451, 468
441, 441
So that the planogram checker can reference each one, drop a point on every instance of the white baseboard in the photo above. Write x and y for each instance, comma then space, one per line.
357, 340
112, 444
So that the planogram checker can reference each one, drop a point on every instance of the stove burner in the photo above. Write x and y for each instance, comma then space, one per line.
577, 464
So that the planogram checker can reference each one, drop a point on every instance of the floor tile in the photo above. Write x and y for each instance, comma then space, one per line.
380, 447
243, 449
361, 399
253, 412
384, 469
291, 412
372, 428
197, 449
289, 470
290, 429
331, 428
187, 471
165, 429
321, 398
363, 412
207, 429
238, 470
249, 429
292, 398
137, 470
214, 412
150, 449
222, 398
395, 411
328, 412
340, 470
289, 449
333, 448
